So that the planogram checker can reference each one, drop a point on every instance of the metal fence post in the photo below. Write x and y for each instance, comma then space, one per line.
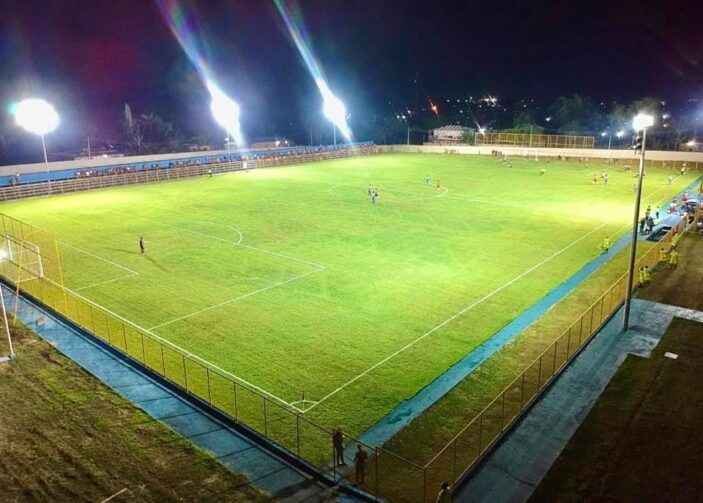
143, 350
580, 330
124, 337
454, 469
522, 391
502, 412
556, 344
480, 434
185, 374
266, 429
234, 393
163, 361
378, 454
539, 374
297, 432
568, 344
209, 393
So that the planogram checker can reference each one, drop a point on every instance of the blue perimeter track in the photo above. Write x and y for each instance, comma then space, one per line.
408, 410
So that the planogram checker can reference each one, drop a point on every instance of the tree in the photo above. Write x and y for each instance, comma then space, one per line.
574, 114
524, 122
132, 129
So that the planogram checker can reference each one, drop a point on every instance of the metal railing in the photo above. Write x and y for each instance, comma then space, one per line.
387, 475
535, 140
48, 188
460, 455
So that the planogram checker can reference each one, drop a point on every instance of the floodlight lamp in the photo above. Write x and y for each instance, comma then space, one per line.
642, 121
482, 130
224, 110
334, 109
691, 143
620, 133
36, 116
603, 134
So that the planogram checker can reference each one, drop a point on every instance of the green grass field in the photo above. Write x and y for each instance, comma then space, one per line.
290, 279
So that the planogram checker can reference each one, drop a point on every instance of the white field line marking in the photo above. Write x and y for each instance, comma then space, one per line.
130, 272
99, 258
92, 285
318, 268
244, 296
178, 348
457, 315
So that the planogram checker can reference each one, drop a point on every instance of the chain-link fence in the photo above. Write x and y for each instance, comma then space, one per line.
162, 174
535, 140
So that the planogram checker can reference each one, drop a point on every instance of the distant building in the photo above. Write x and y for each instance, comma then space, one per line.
449, 134
261, 143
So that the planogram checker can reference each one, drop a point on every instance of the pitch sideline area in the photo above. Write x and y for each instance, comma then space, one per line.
438, 233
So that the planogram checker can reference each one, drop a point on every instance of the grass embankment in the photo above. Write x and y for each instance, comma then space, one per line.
441, 422
641, 441
682, 286
64, 436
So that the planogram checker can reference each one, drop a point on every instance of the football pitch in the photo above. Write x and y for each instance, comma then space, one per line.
291, 280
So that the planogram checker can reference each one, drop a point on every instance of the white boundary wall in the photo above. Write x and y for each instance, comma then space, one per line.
652, 155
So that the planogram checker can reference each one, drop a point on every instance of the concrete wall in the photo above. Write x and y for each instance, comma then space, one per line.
654, 155
101, 162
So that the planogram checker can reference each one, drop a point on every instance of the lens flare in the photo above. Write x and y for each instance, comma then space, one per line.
332, 107
36, 116
224, 110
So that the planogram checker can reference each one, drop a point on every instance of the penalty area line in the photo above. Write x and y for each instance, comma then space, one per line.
455, 316
241, 381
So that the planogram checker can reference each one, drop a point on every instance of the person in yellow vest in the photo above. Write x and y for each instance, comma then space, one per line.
647, 275
606, 244
663, 255
641, 276
674, 259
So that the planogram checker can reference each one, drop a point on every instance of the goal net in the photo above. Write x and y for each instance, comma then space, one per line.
21, 260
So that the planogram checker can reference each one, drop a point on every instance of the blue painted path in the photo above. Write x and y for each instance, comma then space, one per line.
408, 410
520, 462
238, 453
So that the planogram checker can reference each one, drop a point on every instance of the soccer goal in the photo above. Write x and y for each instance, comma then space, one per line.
21, 260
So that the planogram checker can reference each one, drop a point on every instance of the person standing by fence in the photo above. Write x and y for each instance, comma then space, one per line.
445, 494
338, 445
360, 463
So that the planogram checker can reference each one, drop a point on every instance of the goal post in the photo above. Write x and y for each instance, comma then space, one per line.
28, 253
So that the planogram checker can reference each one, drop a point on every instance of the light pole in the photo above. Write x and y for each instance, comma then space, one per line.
38, 117
640, 123
226, 112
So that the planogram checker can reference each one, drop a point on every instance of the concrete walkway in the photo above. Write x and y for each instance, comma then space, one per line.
521, 461
237, 452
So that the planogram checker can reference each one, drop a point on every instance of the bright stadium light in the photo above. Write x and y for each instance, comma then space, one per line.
334, 110
38, 117
603, 134
620, 133
225, 112
691, 143
642, 121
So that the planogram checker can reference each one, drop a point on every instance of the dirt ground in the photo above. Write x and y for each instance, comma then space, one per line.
683, 286
642, 439
64, 436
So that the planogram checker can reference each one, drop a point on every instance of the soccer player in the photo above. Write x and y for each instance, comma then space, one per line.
369, 191
427, 179
209, 173
606, 244
542, 172
634, 188
605, 179
142, 247
671, 179
595, 178
438, 186
683, 170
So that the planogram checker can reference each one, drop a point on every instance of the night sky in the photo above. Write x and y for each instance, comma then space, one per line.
90, 57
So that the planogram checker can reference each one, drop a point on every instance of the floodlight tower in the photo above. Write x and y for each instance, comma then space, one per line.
640, 124
38, 117
334, 110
